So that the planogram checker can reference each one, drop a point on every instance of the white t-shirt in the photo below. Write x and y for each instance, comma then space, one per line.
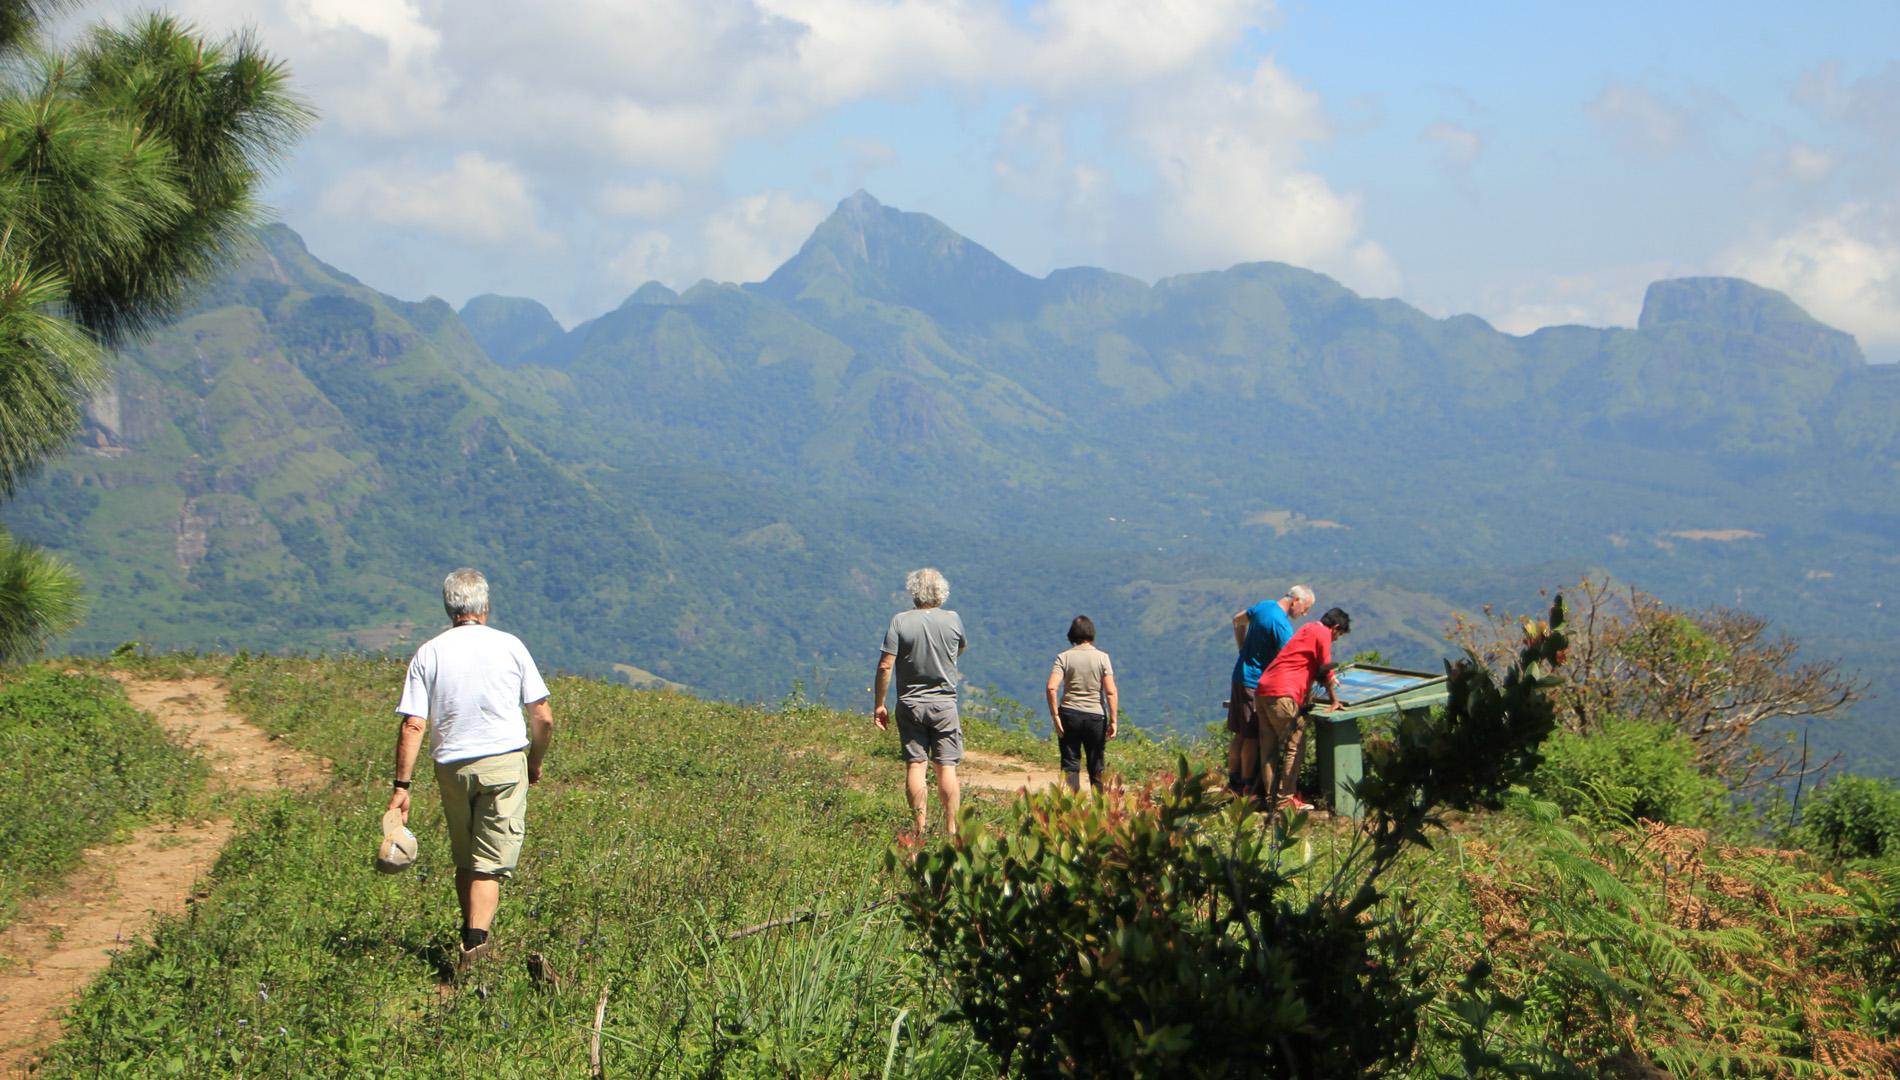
469, 683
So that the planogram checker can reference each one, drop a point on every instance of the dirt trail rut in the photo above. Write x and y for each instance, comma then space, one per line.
994, 772
63, 939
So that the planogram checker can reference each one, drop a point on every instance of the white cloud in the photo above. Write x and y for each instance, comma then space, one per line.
1519, 303
1460, 145
1808, 165
1640, 121
870, 155
748, 239
1843, 266
475, 199
650, 201
1368, 269
648, 256
396, 23
1079, 42
743, 240
372, 67
1231, 181
1871, 102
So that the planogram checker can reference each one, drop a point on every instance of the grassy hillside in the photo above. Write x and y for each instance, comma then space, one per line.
666, 823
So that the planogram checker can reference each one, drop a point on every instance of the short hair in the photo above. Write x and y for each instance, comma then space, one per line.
1082, 629
465, 593
1300, 593
1337, 619
927, 587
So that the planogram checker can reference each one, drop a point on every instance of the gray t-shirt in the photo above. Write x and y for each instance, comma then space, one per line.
926, 642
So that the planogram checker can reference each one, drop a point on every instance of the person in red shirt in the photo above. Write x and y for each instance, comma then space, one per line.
1281, 695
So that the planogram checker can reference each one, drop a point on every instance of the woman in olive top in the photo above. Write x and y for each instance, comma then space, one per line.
1082, 703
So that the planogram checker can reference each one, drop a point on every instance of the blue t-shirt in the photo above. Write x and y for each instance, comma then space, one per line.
1268, 630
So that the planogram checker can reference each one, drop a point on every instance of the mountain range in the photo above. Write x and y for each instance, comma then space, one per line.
722, 488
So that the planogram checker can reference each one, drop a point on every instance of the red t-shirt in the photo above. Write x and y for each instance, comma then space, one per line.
1300, 663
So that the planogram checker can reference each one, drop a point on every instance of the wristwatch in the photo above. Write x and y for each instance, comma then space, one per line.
401, 785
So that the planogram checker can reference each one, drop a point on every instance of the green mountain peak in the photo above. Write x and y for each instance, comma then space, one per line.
651, 293
877, 252
509, 328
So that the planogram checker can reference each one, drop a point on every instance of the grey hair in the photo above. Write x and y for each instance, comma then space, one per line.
1301, 594
927, 587
465, 593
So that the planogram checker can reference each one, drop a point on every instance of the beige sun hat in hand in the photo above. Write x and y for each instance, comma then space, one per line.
398, 849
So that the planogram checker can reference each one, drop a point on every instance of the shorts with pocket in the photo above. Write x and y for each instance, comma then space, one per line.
930, 730
1240, 719
485, 800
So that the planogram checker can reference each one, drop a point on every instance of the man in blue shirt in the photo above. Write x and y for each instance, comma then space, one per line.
1259, 633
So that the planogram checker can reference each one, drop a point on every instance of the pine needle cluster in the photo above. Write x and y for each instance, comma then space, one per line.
129, 172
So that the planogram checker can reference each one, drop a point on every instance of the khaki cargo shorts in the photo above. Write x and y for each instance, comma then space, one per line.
485, 800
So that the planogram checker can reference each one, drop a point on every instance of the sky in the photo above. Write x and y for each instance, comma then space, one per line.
1532, 163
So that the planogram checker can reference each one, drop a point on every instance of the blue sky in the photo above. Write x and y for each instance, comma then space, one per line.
1531, 163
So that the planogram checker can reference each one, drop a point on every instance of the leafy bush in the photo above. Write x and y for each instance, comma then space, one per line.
1153, 934
1869, 943
1854, 817
76, 763
1630, 769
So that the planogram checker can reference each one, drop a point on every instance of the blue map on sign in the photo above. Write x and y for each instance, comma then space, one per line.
1364, 684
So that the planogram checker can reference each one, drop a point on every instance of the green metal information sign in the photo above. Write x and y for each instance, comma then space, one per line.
1364, 690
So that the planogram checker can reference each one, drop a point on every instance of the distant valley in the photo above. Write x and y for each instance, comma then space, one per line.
722, 488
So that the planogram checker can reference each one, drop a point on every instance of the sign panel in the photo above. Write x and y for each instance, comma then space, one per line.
1358, 685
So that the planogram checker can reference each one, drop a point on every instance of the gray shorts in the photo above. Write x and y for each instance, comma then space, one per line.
930, 730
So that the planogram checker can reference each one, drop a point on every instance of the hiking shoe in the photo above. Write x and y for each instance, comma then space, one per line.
465, 958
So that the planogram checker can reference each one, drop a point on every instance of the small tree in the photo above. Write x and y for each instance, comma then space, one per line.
1854, 817
1171, 933
1713, 675
128, 173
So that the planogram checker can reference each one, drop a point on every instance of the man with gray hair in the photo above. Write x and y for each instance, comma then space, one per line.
474, 684
922, 646
1259, 634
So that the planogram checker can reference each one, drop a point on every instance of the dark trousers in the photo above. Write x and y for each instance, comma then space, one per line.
1082, 731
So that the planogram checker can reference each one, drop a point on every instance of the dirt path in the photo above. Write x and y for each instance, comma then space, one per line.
994, 772
62, 940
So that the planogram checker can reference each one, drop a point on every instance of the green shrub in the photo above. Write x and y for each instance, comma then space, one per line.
1629, 769
77, 762
1854, 817
1154, 934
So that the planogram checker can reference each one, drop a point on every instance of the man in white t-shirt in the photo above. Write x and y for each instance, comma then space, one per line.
491, 727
